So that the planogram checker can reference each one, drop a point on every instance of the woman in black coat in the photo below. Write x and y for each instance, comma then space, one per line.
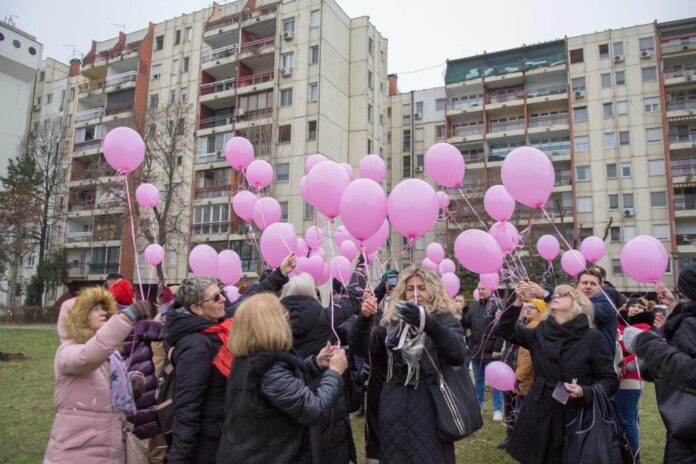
566, 353
269, 407
408, 425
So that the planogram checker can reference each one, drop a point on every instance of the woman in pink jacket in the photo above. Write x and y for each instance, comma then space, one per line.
92, 390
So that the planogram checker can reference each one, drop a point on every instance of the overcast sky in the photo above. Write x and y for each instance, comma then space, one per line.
422, 34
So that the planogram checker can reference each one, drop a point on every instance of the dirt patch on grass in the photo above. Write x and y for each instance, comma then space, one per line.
12, 356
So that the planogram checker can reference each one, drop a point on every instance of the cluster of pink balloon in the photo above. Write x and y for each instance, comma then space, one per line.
435, 261
204, 261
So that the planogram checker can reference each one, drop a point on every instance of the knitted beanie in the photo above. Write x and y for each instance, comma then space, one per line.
123, 292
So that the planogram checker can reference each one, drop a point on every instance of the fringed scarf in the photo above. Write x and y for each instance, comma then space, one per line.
223, 358
409, 341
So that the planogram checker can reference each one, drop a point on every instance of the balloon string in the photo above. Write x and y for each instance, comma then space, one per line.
149, 279
331, 293
132, 227
252, 235
556, 228
472, 208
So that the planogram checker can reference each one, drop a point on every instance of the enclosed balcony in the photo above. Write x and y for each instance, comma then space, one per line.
81, 198
559, 118
505, 95
89, 168
213, 183
681, 101
506, 124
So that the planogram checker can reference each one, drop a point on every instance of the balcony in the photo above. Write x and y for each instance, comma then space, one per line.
466, 131
217, 191
211, 228
255, 115
89, 114
80, 205
87, 145
218, 53
563, 181
547, 121
678, 45
464, 105
217, 86
686, 239
676, 109
504, 97
256, 79
117, 109
77, 268
474, 158
210, 157
554, 150
261, 11
505, 126
216, 121
255, 46
559, 89
683, 168
682, 140
102, 268
72, 237
116, 79
679, 76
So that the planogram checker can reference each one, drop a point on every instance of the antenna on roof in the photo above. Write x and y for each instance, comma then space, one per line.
75, 53
122, 26
10, 19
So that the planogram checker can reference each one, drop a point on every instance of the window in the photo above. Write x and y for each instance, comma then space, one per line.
406, 141
369, 145
42, 76
625, 169
381, 119
314, 54
180, 126
656, 168
308, 212
660, 231
576, 56
187, 34
371, 46
406, 166
406, 110
629, 232
289, 25
287, 60
283, 210
584, 204
420, 160
611, 171
440, 104
284, 133
183, 95
646, 44
175, 67
313, 94
580, 113
369, 113
658, 199
72, 93
211, 219
654, 135
177, 37
389, 137
603, 51
622, 107
615, 233
582, 173
418, 135
156, 71
606, 80
286, 97
440, 131
651, 104
370, 80
624, 138
578, 83
628, 200
172, 96
649, 74
613, 201
282, 172
419, 108
582, 143
311, 130
609, 140
618, 48
616, 267
620, 77
608, 109
159, 42
314, 19
49, 98
185, 65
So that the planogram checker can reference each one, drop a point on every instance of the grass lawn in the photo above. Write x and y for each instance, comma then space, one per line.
26, 409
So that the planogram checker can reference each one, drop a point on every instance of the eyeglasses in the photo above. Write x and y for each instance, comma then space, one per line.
215, 297
530, 308
560, 295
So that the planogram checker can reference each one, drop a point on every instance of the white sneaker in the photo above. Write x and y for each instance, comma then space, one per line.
497, 416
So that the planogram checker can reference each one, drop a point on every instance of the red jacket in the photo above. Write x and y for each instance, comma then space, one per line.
642, 321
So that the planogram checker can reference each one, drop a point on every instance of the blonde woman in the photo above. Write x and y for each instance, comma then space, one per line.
268, 405
568, 356
407, 423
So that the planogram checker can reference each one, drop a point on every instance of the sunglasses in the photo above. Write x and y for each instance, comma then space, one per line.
560, 295
215, 297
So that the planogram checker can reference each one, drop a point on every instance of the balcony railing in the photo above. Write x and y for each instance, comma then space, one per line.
263, 10
216, 121
551, 90
77, 268
111, 110
670, 74
505, 97
681, 105
563, 180
89, 114
256, 44
80, 205
464, 104
210, 157
678, 45
686, 239
255, 79
109, 81
72, 237
685, 169
211, 228
212, 192
218, 53
506, 125
257, 114
466, 131
675, 137
86, 145
102, 268
104, 235
554, 150
685, 204
217, 86
553, 120
475, 158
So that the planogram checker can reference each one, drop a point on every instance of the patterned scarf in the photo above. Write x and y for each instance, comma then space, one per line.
408, 340
121, 390
223, 358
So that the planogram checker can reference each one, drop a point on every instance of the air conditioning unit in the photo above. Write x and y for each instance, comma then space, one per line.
288, 35
618, 58
579, 94
646, 53
240, 112
419, 168
37, 107
219, 155
418, 116
629, 212
285, 72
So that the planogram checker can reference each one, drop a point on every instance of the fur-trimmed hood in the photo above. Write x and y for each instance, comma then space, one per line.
75, 319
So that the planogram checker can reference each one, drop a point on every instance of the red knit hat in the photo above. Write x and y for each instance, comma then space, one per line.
123, 291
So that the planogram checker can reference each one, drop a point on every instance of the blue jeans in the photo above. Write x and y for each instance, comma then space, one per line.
627, 408
480, 376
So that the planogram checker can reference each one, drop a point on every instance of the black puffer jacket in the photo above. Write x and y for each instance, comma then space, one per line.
480, 319
269, 408
560, 353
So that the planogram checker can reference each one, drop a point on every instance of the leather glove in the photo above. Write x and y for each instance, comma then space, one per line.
629, 338
409, 312
138, 311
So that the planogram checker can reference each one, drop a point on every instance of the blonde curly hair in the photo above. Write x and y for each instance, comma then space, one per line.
581, 304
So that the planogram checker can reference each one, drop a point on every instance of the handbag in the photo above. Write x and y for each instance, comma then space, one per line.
456, 406
136, 452
678, 410
595, 436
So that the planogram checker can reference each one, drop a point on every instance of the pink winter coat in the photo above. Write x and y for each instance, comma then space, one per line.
85, 429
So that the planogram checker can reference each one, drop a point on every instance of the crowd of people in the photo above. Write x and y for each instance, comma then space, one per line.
274, 376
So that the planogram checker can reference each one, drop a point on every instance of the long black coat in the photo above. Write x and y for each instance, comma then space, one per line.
480, 319
408, 426
560, 353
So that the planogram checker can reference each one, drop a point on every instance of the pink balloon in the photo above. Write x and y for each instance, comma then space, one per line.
259, 174
203, 261
325, 275
593, 248
302, 265
315, 266
341, 234
302, 247
318, 252
429, 264
243, 204
644, 259
506, 235
314, 237
413, 208
363, 208
548, 247
528, 176
231, 293
378, 240
267, 211
498, 203
444, 164
349, 250
325, 185
435, 252
341, 269
229, 269
447, 266
349, 170
154, 254
312, 161
500, 376
475, 294
239, 152
124, 149
490, 281
373, 167
147, 195
573, 262
277, 242
444, 200
303, 189
451, 283
478, 252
